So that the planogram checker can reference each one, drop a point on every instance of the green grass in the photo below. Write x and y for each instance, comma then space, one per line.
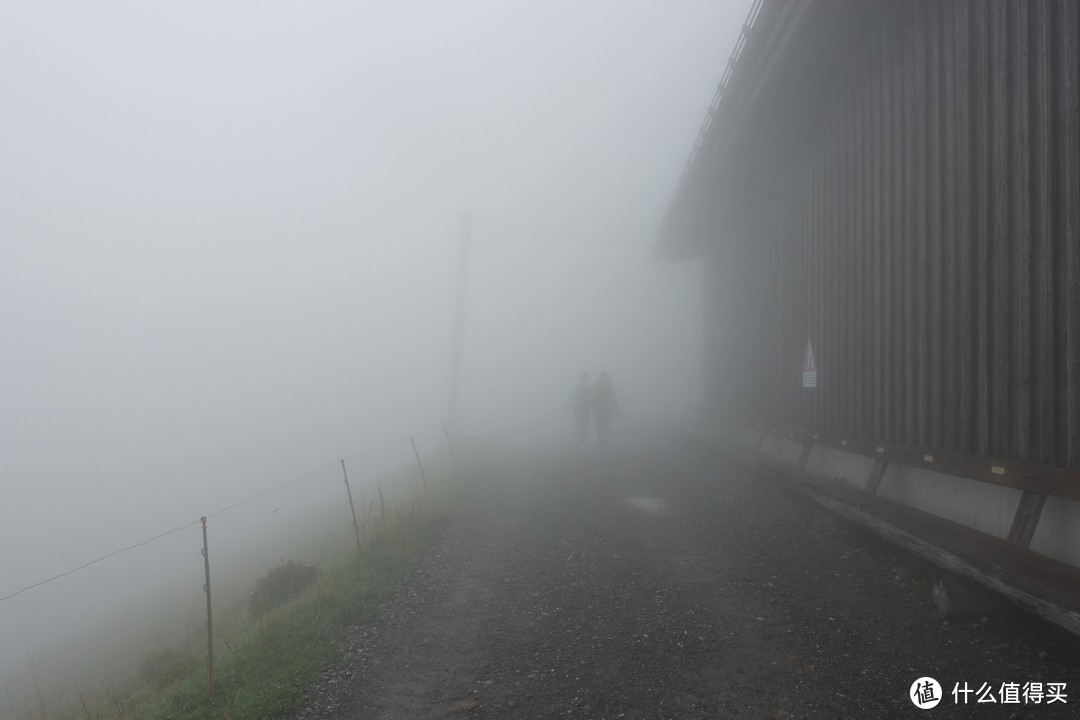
265, 670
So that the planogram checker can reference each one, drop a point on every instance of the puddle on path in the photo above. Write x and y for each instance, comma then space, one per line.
648, 504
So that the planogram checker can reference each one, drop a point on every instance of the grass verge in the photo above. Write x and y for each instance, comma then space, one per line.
266, 669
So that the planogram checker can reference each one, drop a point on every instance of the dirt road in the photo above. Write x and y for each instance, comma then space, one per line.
655, 580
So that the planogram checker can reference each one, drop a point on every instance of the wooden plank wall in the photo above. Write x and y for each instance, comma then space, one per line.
928, 240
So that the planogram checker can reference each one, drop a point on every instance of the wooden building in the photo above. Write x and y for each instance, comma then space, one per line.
896, 183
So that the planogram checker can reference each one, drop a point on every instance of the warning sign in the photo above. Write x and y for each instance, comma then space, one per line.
809, 368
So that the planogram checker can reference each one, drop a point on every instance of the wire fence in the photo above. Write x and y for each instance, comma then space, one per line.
365, 452
35, 624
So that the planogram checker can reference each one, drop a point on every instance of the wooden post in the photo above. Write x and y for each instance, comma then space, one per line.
209, 614
450, 443
356, 525
417, 454
459, 316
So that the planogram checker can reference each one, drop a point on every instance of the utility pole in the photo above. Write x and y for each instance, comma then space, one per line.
459, 319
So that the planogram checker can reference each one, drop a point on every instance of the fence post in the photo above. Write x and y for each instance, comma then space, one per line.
449, 442
352, 508
209, 614
417, 454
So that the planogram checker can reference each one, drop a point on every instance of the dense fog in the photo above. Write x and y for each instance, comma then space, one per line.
230, 237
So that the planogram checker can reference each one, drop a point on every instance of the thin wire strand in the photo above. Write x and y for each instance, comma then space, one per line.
103, 557
274, 489
262, 494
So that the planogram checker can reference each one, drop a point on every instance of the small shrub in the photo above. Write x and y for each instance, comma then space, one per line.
164, 667
280, 584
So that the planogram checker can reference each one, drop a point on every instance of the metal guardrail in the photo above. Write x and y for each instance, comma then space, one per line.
1036, 481
1007, 565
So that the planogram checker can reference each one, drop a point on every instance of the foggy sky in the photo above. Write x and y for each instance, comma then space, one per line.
229, 238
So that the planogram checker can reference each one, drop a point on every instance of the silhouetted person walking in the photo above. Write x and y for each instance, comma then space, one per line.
605, 407
581, 404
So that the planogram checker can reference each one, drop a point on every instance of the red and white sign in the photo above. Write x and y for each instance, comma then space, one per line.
809, 368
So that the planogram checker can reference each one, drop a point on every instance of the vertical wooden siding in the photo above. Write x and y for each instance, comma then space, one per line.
927, 238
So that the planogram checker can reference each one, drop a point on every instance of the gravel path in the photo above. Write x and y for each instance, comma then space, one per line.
657, 581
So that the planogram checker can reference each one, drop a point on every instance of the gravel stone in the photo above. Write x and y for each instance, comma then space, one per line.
554, 596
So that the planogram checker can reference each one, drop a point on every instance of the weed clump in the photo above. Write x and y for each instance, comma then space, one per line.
279, 584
